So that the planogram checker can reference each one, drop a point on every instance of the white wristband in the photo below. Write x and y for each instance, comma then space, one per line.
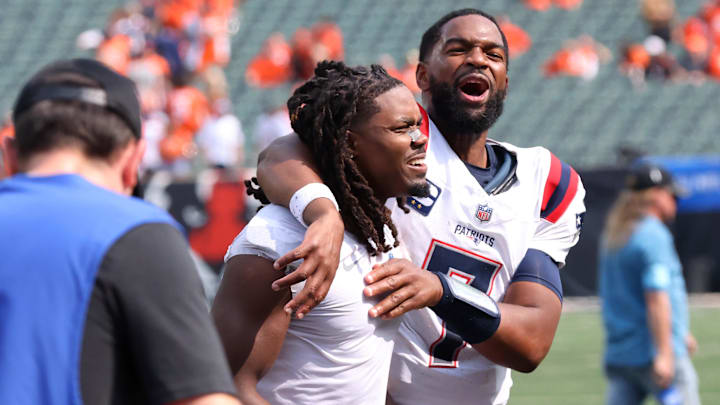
307, 194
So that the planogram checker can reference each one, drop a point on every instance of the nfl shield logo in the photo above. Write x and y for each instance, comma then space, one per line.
483, 213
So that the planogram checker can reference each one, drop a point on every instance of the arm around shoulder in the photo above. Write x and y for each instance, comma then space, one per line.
284, 167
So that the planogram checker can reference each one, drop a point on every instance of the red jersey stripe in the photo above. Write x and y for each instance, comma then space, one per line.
552, 181
569, 195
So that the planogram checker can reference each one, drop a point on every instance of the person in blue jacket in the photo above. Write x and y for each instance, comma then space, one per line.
647, 342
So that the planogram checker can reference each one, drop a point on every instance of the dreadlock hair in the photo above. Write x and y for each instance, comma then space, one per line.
322, 111
252, 187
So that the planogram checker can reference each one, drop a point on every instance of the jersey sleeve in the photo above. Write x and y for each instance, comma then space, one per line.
270, 234
155, 300
561, 213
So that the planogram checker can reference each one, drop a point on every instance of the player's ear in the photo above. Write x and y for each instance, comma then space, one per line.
130, 164
421, 76
10, 157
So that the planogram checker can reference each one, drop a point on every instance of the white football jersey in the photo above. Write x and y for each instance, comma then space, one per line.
336, 353
480, 239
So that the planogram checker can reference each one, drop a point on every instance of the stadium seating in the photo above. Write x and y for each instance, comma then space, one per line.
35, 32
582, 122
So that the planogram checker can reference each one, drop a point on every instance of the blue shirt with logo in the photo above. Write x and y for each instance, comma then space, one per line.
647, 262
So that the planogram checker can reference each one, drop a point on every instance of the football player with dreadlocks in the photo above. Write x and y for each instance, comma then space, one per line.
361, 127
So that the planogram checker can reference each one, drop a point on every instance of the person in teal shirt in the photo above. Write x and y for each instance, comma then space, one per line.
644, 301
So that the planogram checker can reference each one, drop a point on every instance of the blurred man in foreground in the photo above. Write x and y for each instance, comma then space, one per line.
99, 299
648, 341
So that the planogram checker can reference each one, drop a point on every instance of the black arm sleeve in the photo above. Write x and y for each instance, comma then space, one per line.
149, 337
538, 267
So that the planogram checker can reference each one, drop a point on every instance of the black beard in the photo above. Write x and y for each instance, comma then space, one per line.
420, 189
450, 110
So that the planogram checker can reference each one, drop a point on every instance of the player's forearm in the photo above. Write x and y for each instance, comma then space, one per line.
659, 320
519, 343
284, 167
247, 391
529, 319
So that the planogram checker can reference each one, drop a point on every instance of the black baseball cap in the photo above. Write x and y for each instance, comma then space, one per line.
117, 93
649, 175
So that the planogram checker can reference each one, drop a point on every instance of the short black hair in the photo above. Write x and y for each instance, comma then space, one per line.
51, 124
111, 90
432, 35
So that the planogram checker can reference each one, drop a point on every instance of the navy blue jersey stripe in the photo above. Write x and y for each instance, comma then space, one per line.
559, 194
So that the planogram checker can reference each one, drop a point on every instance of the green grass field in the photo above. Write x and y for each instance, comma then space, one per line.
572, 374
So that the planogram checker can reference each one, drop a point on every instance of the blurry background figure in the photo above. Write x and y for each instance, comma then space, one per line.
659, 16
271, 124
322, 41
388, 62
124, 38
115, 52
328, 40
405, 74
518, 39
187, 109
538, 5
150, 71
221, 139
663, 65
272, 66
634, 61
544, 5
648, 340
695, 38
155, 129
281, 62
303, 57
567, 4
579, 57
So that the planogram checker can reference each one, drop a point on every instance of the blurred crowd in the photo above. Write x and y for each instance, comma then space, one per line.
579, 57
175, 52
543, 5
673, 49
280, 61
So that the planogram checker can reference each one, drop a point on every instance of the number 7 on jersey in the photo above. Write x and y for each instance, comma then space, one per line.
469, 268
